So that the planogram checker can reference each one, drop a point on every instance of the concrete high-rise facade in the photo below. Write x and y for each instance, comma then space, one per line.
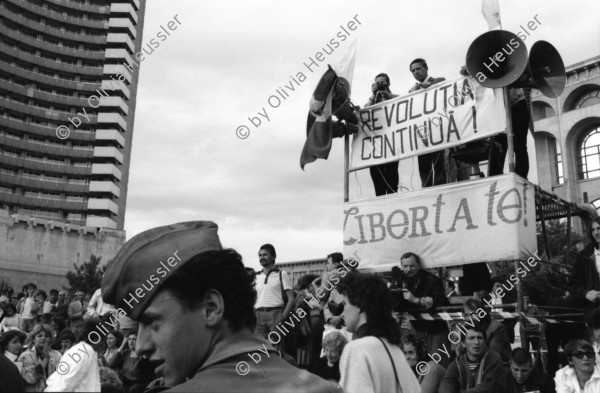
67, 105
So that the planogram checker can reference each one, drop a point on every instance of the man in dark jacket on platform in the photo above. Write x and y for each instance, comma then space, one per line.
431, 165
477, 371
522, 377
424, 292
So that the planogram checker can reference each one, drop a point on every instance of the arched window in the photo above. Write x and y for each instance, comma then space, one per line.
589, 155
588, 99
541, 110
583, 96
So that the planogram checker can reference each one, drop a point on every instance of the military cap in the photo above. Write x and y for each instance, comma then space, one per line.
147, 260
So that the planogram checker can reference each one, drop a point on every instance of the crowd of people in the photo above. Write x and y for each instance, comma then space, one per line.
37, 332
214, 325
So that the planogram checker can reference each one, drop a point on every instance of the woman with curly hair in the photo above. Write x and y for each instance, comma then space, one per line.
329, 367
39, 361
11, 320
428, 373
373, 361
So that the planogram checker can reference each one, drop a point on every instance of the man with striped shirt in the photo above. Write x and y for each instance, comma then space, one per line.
477, 371
271, 284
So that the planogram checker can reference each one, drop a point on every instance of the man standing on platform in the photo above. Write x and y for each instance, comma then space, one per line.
272, 286
431, 165
385, 176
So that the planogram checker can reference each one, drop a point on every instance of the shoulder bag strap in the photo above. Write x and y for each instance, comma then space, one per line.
283, 295
393, 364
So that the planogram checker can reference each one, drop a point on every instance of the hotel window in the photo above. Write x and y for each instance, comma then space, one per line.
588, 155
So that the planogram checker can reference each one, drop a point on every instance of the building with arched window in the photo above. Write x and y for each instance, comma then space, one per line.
567, 135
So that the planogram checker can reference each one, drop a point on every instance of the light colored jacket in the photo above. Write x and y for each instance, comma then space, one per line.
34, 381
365, 367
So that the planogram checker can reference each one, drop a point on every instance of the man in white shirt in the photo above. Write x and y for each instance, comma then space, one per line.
78, 369
496, 299
97, 308
27, 317
271, 285
431, 165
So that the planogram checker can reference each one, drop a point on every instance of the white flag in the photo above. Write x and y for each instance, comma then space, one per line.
491, 13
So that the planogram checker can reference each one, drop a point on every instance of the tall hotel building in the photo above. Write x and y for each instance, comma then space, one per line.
67, 106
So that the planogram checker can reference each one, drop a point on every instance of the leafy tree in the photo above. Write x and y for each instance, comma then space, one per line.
86, 277
545, 283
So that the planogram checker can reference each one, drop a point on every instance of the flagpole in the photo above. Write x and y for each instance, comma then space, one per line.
510, 151
346, 165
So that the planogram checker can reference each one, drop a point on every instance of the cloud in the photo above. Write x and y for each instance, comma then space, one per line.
227, 58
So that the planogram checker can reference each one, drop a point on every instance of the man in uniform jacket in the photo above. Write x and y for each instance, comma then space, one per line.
194, 302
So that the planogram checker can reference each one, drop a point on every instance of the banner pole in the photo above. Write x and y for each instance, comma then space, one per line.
510, 151
346, 165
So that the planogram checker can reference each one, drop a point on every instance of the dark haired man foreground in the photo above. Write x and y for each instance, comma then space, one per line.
195, 314
523, 377
477, 371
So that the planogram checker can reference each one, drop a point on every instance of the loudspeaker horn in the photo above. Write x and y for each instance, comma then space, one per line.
545, 71
497, 58
500, 58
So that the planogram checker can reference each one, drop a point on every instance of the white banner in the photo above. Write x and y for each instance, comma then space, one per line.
483, 220
448, 114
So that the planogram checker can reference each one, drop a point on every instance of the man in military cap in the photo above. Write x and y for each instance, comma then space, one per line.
194, 302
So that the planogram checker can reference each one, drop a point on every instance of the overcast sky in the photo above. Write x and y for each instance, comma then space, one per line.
225, 61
